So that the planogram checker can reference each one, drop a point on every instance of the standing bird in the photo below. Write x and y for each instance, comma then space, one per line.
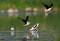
47, 8
12, 31
25, 21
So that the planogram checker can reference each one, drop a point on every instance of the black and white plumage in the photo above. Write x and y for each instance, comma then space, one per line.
25, 21
48, 8
35, 26
33, 31
12, 31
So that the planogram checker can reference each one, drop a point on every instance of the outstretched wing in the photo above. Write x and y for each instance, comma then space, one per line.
21, 19
50, 5
46, 6
27, 18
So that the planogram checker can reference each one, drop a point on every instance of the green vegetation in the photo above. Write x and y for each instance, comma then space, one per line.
52, 22
21, 4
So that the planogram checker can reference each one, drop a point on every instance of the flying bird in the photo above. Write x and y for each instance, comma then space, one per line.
25, 21
48, 8
35, 26
33, 30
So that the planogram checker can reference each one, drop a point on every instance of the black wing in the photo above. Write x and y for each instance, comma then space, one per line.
21, 19
46, 6
27, 18
35, 26
50, 5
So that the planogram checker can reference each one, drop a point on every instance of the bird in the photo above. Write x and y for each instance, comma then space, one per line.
48, 8
34, 27
25, 20
33, 31
12, 31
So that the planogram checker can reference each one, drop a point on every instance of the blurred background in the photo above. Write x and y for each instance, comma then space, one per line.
49, 28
